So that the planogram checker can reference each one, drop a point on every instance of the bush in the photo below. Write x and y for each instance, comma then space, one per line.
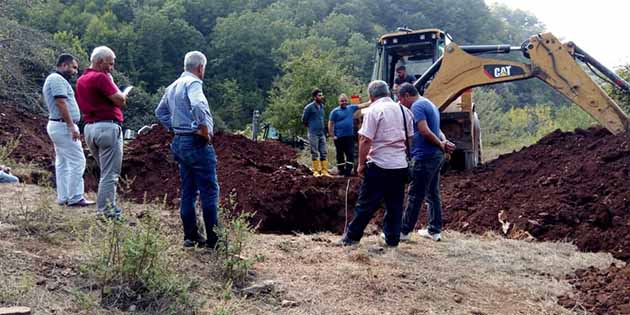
234, 231
135, 266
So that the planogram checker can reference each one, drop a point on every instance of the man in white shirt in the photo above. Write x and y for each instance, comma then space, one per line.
382, 165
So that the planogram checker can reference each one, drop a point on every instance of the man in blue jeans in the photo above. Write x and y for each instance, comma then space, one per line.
184, 110
427, 152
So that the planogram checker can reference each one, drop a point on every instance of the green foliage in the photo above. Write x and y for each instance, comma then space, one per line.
621, 97
504, 131
74, 45
292, 91
234, 231
250, 43
135, 266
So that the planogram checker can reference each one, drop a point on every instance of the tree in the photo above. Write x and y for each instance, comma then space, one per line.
621, 97
292, 91
243, 48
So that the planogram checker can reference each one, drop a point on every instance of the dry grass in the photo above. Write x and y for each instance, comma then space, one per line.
464, 274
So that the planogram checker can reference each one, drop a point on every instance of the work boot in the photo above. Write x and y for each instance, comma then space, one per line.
317, 167
341, 169
324, 168
348, 169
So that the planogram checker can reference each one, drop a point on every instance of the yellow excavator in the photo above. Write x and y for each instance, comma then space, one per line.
446, 73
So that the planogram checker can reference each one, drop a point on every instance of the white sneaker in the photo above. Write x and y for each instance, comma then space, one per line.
405, 237
425, 233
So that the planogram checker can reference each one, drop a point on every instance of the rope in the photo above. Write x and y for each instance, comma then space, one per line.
345, 227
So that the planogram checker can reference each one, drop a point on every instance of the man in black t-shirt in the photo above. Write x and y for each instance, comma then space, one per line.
402, 77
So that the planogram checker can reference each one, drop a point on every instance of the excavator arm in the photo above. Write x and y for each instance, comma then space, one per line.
551, 61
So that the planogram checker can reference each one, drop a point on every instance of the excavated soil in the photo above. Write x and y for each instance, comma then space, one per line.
262, 177
600, 291
568, 186
29, 129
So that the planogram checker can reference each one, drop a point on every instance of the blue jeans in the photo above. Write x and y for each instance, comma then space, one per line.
379, 184
198, 171
6, 178
425, 183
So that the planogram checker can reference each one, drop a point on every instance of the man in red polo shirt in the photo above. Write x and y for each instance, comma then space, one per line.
101, 103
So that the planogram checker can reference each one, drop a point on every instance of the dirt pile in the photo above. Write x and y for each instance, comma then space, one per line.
600, 291
29, 130
568, 186
262, 177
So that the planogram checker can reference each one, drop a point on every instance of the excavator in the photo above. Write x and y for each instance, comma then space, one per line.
446, 73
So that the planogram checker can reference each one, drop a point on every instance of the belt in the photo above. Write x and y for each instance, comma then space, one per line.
61, 120
105, 121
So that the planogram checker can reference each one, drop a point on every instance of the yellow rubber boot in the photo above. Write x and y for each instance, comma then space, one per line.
325, 168
317, 168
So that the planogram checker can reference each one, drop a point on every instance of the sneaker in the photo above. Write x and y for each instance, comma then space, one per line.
425, 233
405, 237
82, 203
346, 241
195, 243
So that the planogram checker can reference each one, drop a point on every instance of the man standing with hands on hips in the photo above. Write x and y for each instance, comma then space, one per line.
341, 128
101, 102
185, 111
63, 116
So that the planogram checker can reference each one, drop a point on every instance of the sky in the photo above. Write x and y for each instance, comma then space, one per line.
599, 27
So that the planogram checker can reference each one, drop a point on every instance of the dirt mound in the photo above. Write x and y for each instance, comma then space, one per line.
34, 145
568, 186
600, 291
262, 177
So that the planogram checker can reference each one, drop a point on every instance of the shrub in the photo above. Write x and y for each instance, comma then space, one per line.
135, 266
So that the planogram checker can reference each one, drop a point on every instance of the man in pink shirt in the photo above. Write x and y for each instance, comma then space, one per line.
382, 165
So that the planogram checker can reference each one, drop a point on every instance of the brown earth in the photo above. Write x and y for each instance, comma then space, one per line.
29, 129
604, 291
568, 186
269, 182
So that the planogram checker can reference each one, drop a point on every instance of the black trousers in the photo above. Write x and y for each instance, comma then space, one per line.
345, 155
379, 184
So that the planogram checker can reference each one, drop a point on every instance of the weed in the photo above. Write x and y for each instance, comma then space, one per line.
7, 149
12, 291
135, 266
84, 301
234, 231
39, 220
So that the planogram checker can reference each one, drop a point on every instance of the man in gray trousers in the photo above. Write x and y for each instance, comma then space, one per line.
101, 103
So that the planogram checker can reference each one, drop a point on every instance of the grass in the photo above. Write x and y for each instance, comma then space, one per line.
464, 274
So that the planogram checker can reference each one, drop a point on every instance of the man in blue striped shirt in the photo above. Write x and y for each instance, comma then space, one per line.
185, 111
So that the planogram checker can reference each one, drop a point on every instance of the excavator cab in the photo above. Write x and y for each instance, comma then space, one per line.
418, 50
